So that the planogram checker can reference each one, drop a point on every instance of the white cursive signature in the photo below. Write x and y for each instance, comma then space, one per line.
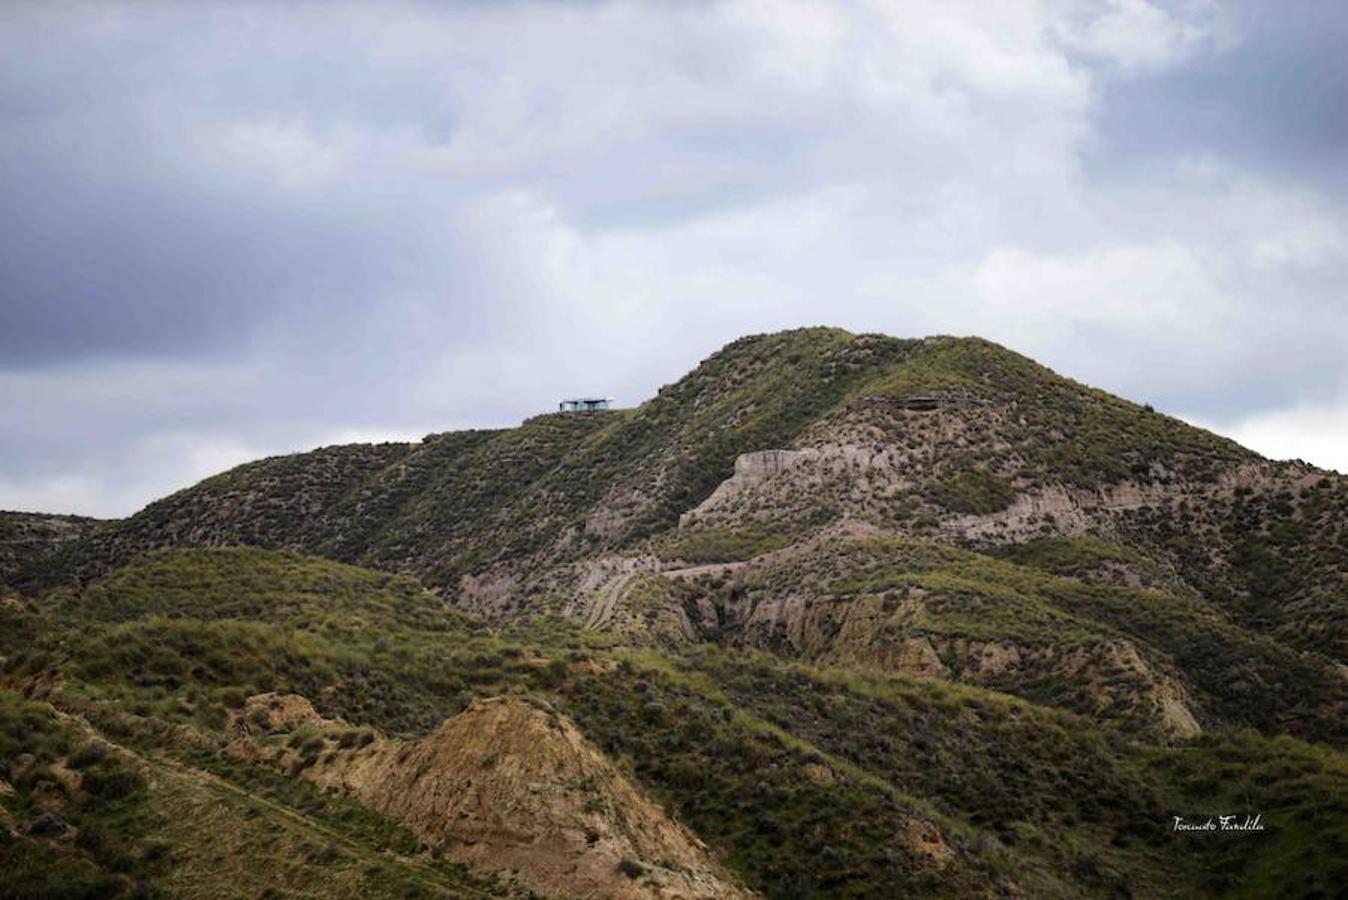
1220, 823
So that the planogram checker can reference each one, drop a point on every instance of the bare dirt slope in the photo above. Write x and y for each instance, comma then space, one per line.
507, 785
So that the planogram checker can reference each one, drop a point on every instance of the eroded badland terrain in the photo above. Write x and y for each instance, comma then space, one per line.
834, 615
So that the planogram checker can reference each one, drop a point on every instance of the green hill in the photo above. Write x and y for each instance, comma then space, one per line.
559, 485
805, 781
869, 616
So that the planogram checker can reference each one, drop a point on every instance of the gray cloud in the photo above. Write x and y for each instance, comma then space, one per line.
236, 229
1277, 99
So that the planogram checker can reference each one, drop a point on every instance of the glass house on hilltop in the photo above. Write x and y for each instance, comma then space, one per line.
584, 404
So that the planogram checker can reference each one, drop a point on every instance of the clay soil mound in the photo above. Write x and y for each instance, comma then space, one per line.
507, 785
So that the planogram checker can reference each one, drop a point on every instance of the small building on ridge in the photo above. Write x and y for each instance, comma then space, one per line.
584, 404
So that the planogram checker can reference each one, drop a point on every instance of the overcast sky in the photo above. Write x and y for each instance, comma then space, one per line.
233, 230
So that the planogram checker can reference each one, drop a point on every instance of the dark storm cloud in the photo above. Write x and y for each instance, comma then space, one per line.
149, 203
125, 267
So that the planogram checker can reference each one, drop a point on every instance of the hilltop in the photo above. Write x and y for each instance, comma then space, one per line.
466, 504
843, 615
697, 514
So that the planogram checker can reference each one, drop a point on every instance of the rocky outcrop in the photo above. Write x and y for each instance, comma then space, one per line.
901, 631
751, 469
1115, 675
763, 464
506, 785
916, 656
924, 843
1175, 716
278, 712
774, 482
1074, 511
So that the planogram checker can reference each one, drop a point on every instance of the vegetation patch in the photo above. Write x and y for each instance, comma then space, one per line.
717, 545
975, 491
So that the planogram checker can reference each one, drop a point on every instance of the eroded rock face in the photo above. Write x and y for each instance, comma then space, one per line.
506, 785
889, 633
279, 712
996, 658
924, 843
765, 463
776, 481
1167, 703
751, 469
1176, 718
911, 655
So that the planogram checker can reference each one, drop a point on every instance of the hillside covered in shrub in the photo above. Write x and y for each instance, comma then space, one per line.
840, 615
